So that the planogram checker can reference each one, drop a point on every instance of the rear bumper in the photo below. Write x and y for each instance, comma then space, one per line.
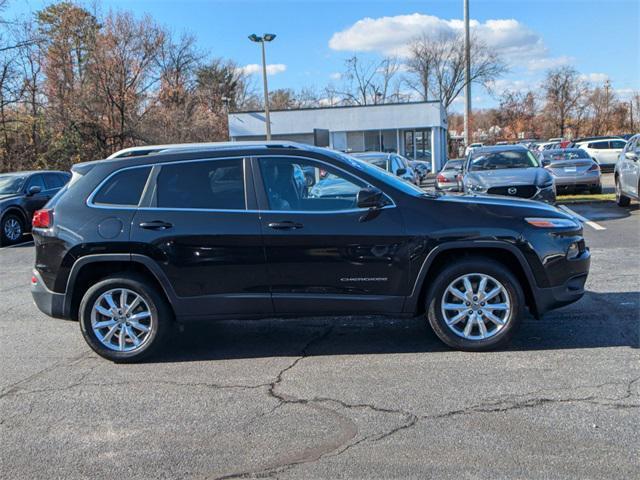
570, 291
48, 302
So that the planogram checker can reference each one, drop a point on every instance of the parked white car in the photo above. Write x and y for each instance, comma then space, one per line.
472, 147
627, 172
604, 151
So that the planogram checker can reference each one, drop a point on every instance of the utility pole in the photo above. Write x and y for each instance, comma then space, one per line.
467, 76
267, 37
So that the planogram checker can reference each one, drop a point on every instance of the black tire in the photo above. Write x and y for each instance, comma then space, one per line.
596, 190
621, 199
15, 219
160, 321
482, 266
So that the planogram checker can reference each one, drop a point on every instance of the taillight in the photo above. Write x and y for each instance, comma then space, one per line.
42, 218
594, 167
442, 179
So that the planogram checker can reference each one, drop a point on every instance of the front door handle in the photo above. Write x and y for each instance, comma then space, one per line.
156, 225
285, 225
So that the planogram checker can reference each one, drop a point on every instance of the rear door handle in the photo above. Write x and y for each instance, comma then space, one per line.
285, 225
156, 225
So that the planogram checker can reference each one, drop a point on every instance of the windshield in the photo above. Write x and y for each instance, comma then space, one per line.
565, 154
494, 160
11, 184
379, 174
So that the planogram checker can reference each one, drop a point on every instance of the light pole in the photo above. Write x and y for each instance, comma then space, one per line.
267, 37
467, 76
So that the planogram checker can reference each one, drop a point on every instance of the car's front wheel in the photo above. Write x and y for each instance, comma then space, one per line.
123, 318
12, 229
475, 305
621, 199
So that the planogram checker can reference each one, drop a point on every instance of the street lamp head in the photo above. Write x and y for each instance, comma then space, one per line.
269, 36
255, 38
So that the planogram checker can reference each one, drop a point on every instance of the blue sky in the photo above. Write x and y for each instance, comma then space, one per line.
600, 38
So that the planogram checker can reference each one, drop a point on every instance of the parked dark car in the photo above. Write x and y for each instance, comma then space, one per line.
422, 169
134, 244
391, 162
572, 169
509, 170
21, 194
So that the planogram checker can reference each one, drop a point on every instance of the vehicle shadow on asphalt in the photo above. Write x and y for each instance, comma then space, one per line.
599, 320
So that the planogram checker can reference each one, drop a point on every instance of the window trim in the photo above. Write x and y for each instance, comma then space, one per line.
263, 197
146, 198
112, 206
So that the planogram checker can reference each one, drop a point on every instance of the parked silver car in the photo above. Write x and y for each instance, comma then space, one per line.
508, 170
448, 179
572, 169
627, 172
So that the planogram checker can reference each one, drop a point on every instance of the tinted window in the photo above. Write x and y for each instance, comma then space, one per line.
123, 188
599, 145
617, 144
53, 181
36, 181
212, 184
330, 189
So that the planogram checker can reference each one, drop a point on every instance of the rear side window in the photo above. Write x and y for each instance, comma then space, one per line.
211, 184
53, 181
124, 188
618, 144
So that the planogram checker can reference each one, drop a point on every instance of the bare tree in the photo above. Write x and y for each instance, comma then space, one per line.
437, 66
563, 90
367, 82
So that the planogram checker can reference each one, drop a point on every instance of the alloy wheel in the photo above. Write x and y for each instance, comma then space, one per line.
476, 306
121, 320
12, 229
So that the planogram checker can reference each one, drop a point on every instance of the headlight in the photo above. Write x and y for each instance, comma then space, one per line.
573, 251
552, 222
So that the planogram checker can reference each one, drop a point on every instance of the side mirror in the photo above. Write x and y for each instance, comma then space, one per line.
631, 156
370, 197
35, 189
545, 162
401, 171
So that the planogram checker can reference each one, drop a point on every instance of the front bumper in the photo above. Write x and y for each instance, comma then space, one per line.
570, 291
48, 302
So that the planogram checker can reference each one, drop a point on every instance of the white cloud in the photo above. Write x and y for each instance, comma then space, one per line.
272, 68
501, 85
335, 76
391, 35
595, 77
547, 63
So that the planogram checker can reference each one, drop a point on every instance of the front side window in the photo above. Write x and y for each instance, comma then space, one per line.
210, 185
53, 181
326, 188
124, 188
36, 181
599, 145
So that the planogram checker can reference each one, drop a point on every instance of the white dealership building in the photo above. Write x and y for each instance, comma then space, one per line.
417, 130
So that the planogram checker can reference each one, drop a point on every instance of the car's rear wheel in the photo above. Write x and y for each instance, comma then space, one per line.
621, 199
124, 319
475, 305
12, 229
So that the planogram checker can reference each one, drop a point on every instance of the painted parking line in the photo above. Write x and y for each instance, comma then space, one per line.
593, 225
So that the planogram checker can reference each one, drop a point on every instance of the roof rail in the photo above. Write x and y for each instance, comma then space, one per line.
187, 147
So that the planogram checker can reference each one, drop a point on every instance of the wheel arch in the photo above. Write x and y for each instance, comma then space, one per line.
507, 255
90, 269
19, 211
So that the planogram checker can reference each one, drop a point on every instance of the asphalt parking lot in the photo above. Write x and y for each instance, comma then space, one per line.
324, 398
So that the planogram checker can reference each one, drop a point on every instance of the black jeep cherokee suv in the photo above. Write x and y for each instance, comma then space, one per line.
238, 231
